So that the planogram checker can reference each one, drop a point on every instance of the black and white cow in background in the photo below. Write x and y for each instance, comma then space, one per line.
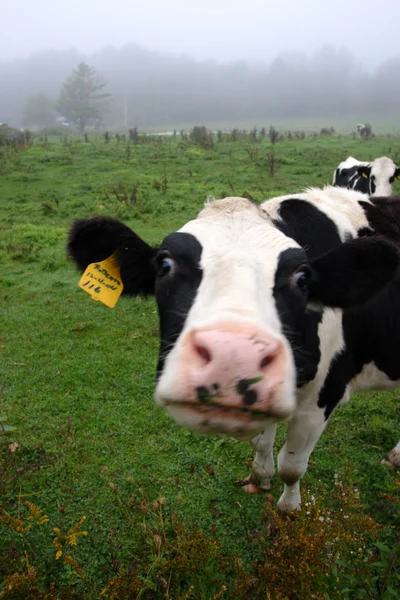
362, 129
267, 313
375, 178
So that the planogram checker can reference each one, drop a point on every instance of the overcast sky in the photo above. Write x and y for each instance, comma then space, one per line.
220, 29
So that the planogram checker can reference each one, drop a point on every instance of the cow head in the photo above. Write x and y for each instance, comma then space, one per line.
233, 295
381, 174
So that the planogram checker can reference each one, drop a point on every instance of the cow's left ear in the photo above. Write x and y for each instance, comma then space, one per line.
94, 240
352, 273
397, 173
364, 171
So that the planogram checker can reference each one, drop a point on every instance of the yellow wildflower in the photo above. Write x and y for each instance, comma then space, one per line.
70, 538
36, 514
14, 523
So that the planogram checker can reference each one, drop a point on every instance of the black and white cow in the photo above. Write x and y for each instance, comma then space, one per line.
361, 129
267, 313
375, 178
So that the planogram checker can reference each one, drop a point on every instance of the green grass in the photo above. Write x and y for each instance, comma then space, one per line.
77, 378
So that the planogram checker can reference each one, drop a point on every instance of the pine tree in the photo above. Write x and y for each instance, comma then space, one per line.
81, 97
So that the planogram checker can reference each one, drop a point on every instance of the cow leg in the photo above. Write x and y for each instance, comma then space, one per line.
393, 458
263, 463
303, 433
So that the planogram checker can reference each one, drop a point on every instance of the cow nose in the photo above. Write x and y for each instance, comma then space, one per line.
212, 345
236, 369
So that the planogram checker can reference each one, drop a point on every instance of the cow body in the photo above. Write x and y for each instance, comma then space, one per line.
374, 178
257, 320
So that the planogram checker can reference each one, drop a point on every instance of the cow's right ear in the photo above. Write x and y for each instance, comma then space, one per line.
353, 273
94, 240
364, 171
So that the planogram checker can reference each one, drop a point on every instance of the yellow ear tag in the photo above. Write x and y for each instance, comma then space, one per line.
102, 280
364, 175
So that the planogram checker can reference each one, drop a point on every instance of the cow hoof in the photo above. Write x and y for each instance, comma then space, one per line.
252, 485
250, 488
392, 460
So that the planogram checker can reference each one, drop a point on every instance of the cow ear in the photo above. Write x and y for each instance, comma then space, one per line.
94, 240
397, 173
352, 273
364, 171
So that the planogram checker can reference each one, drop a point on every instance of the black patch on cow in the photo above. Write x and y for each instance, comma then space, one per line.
353, 273
383, 215
371, 334
312, 229
351, 179
176, 291
93, 240
341, 371
372, 184
365, 232
299, 324
364, 171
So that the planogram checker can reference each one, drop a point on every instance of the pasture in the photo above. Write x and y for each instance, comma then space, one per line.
164, 514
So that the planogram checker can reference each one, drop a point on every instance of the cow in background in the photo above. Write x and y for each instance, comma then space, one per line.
373, 178
364, 131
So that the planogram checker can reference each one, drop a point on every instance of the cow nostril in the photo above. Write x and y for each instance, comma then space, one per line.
266, 361
203, 352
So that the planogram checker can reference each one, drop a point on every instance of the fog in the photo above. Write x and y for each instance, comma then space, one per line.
175, 61
218, 29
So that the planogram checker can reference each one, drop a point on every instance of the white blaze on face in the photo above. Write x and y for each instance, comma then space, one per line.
240, 252
382, 170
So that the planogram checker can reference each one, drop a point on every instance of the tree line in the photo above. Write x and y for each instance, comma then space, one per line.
148, 88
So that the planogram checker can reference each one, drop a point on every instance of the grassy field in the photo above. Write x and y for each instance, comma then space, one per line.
164, 516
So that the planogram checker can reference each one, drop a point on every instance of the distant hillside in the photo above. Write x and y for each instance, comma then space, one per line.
150, 89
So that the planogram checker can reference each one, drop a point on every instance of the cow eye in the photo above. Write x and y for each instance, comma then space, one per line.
166, 264
301, 278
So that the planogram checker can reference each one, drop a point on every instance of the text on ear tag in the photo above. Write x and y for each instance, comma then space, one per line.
102, 280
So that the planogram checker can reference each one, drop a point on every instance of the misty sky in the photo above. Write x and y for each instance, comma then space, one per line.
219, 29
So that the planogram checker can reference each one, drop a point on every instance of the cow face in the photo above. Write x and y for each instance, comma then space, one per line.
225, 363
233, 293
381, 174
